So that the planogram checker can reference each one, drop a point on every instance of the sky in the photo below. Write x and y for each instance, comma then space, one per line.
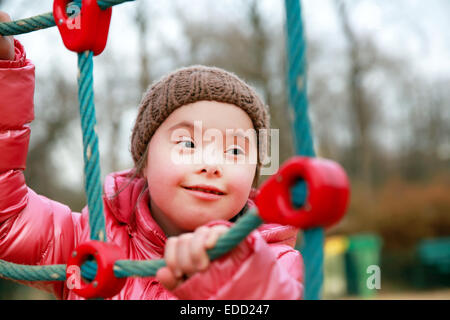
415, 30
412, 28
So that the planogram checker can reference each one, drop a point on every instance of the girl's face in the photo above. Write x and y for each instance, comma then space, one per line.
200, 167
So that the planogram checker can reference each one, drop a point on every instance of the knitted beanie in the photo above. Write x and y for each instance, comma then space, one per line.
189, 85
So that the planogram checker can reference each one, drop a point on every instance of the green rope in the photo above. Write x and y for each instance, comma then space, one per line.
93, 186
148, 268
312, 246
131, 268
87, 112
313, 249
39, 22
43, 21
14, 271
234, 236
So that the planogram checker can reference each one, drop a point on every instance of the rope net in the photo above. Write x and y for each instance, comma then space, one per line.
313, 239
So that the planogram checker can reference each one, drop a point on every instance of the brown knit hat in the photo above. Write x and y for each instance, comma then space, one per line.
189, 85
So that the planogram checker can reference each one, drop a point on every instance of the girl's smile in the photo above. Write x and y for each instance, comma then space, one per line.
204, 193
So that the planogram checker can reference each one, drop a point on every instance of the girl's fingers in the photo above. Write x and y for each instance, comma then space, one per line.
4, 17
199, 256
186, 254
6, 43
170, 256
184, 261
167, 278
214, 235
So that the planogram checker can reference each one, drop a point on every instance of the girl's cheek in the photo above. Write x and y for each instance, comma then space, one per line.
241, 178
160, 168
165, 172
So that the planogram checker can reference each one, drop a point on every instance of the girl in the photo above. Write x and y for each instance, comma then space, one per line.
192, 144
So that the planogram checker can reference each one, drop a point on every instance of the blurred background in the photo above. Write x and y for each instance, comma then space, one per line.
378, 86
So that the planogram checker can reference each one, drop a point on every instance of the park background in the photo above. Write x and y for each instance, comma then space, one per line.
378, 88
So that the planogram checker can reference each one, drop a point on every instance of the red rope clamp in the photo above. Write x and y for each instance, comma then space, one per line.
105, 283
87, 31
327, 196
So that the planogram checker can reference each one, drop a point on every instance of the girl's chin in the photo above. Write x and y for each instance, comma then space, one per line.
191, 221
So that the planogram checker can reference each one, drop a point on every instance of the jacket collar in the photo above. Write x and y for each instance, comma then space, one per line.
127, 199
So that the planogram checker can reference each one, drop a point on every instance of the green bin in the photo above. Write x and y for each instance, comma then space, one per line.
433, 263
363, 251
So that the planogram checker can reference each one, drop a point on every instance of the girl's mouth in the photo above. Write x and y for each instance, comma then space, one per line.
206, 189
205, 192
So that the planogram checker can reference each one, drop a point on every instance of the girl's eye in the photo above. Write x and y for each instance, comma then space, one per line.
235, 151
187, 144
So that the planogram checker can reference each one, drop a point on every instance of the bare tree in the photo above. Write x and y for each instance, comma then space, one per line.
254, 53
427, 129
361, 108
56, 108
116, 95
141, 20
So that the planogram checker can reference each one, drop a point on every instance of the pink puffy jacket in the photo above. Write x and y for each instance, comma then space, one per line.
35, 230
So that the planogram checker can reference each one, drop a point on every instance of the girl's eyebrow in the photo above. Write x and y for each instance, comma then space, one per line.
182, 124
239, 134
190, 126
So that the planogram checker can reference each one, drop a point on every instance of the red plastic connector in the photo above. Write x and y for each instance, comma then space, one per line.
87, 31
327, 197
105, 284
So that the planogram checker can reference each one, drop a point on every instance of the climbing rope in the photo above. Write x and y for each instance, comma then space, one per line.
312, 244
45, 20
122, 268
93, 185
131, 268
312, 249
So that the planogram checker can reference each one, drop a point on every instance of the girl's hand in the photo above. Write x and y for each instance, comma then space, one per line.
186, 255
6, 43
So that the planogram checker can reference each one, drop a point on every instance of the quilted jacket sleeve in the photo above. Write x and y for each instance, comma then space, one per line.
33, 229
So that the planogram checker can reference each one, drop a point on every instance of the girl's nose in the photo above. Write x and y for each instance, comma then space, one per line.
211, 170
212, 160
